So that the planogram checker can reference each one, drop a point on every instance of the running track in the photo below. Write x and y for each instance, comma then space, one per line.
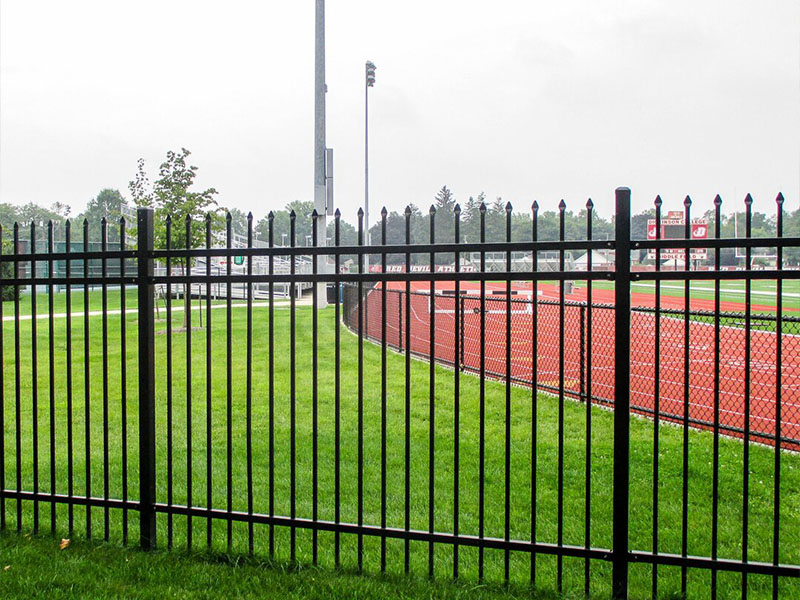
644, 371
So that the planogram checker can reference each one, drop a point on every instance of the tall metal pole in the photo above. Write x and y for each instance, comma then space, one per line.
369, 81
366, 164
319, 144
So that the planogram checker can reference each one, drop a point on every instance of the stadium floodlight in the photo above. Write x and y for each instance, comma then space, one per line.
370, 73
370, 82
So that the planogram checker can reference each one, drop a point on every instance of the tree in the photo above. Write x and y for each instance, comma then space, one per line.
420, 225
34, 213
521, 226
7, 292
281, 226
238, 221
106, 205
8, 215
791, 228
445, 204
496, 221
303, 226
173, 201
395, 235
348, 236
639, 228
61, 209
471, 218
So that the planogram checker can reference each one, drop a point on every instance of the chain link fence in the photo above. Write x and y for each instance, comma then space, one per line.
663, 377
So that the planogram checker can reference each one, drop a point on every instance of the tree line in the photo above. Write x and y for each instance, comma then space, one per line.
172, 195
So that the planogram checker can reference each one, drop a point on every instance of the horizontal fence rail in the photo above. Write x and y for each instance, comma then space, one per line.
192, 388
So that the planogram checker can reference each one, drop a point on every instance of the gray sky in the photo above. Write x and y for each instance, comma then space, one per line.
520, 99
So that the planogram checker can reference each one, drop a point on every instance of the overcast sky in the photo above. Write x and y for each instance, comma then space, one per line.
517, 98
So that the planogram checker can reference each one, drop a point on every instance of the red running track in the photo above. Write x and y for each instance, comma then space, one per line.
600, 352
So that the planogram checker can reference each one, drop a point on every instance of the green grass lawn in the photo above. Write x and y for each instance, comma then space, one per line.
172, 572
60, 301
113, 300
764, 292
98, 570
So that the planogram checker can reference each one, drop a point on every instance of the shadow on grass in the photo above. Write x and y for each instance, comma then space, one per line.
35, 565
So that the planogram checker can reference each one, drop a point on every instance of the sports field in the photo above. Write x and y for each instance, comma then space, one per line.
763, 294
659, 381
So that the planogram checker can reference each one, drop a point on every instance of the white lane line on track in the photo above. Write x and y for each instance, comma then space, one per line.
723, 290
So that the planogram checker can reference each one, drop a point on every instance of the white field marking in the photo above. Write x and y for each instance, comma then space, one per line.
680, 319
132, 311
721, 289
450, 311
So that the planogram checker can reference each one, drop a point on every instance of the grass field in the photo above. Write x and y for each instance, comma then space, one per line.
763, 292
97, 570
113, 301
186, 570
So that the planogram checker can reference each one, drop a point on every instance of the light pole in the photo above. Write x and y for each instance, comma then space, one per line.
369, 81
320, 189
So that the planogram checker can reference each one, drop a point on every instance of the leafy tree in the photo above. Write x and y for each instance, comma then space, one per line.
521, 227
348, 236
7, 292
639, 223
639, 228
791, 228
496, 221
25, 215
303, 225
238, 221
173, 200
61, 209
395, 235
106, 205
281, 226
732, 226
8, 215
34, 213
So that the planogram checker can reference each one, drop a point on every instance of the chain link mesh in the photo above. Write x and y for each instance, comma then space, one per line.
589, 331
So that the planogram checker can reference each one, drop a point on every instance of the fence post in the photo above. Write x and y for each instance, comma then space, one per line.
622, 340
147, 421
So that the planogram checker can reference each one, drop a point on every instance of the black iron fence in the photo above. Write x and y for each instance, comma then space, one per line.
263, 427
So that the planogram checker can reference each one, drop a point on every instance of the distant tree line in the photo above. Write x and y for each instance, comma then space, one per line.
109, 204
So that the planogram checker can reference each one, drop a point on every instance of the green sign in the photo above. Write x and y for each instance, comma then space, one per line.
238, 260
